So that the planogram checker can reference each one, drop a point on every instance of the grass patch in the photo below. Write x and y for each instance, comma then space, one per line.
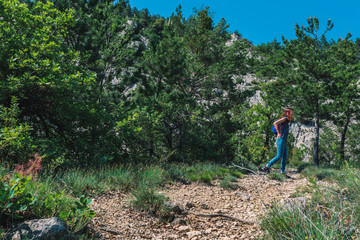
207, 172
148, 200
319, 172
151, 176
228, 182
331, 213
235, 173
206, 177
276, 176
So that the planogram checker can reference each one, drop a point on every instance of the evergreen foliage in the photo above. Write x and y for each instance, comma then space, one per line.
93, 83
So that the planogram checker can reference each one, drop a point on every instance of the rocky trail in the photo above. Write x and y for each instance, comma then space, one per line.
246, 205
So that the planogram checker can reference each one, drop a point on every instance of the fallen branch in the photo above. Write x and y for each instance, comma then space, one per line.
110, 231
236, 166
222, 215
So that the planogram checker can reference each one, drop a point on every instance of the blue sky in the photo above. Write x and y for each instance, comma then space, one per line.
261, 21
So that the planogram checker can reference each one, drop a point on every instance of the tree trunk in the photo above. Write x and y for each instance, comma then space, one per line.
316, 140
343, 137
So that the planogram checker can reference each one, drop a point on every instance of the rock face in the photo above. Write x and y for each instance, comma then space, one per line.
40, 229
304, 138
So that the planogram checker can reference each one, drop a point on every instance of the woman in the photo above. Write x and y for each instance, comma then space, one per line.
282, 129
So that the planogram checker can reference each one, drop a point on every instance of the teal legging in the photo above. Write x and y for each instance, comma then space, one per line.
281, 154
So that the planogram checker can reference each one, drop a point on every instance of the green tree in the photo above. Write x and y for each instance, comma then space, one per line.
308, 79
346, 102
189, 81
42, 71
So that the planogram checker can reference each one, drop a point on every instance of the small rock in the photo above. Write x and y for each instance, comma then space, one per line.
204, 206
174, 207
184, 228
245, 197
228, 206
189, 205
219, 224
217, 211
178, 221
208, 231
193, 234
171, 237
225, 238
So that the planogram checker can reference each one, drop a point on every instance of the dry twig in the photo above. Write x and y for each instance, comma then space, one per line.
222, 215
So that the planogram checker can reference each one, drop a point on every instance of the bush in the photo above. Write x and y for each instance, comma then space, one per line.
79, 216
16, 145
24, 197
14, 197
50, 200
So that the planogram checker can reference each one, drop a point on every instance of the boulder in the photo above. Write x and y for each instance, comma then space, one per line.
40, 229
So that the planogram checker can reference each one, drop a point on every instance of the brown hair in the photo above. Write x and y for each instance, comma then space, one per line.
288, 113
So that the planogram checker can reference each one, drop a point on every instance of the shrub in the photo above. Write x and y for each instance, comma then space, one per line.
51, 201
32, 167
14, 197
79, 216
16, 143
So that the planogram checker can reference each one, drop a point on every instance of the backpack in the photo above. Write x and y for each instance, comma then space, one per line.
274, 129
280, 128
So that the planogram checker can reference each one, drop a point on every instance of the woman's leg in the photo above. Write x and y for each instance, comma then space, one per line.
284, 159
280, 143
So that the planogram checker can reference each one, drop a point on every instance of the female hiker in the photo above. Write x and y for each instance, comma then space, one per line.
282, 129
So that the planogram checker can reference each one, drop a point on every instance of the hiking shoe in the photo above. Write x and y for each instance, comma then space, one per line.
265, 169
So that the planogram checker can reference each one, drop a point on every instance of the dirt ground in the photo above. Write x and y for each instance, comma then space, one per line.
249, 202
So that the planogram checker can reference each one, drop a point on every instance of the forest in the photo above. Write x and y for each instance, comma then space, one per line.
98, 96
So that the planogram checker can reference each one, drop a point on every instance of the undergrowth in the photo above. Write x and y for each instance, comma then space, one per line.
330, 212
276, 176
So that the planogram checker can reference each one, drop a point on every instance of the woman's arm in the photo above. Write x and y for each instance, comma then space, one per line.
276, 123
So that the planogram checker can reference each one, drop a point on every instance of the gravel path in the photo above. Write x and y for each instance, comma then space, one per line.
254, 195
